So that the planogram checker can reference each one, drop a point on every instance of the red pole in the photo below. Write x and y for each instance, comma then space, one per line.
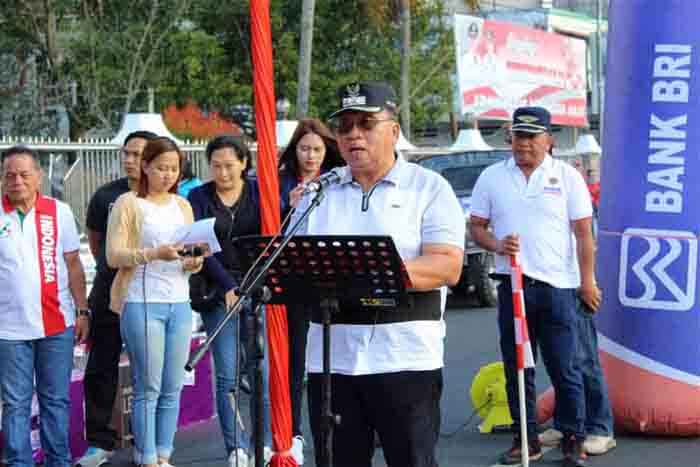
278, 348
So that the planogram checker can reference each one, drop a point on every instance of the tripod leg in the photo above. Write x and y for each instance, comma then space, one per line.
328, 419
258, 354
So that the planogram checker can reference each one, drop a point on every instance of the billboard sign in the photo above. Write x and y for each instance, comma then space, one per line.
502, 66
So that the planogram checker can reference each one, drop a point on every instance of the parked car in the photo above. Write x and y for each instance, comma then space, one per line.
461, 169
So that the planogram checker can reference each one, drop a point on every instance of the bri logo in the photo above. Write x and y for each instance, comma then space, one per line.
658, 269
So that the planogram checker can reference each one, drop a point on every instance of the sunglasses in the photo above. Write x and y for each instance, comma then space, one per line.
344, 126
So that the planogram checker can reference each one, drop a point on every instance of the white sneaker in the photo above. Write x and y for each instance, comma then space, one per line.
94, 457
267, 454
238, 458
550, 437
297, 449
596, 445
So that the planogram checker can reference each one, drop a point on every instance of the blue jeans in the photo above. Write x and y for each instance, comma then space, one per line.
157, 373
552, 322
50, 359
224, 350
599, 416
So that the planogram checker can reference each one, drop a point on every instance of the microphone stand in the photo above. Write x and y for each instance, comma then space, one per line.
255, 290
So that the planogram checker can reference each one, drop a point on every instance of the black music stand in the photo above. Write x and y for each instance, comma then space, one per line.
339, 272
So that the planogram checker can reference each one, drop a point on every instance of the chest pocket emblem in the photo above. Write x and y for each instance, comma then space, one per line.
5, 229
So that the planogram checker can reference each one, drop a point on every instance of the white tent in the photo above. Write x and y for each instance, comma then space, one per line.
284, 130
470, 140
587, 144
143, 122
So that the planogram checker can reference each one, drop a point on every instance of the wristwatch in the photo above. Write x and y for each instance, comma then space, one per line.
82, 312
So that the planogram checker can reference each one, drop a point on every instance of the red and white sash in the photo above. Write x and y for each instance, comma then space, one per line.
46, 224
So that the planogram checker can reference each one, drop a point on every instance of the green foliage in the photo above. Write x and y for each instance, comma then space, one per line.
200, 50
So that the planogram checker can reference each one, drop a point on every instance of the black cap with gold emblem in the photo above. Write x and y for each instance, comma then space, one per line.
531, 120
366, 97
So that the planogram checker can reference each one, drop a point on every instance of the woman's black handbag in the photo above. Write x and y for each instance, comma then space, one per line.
203, 293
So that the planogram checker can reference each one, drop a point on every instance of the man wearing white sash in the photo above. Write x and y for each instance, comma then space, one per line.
43, 310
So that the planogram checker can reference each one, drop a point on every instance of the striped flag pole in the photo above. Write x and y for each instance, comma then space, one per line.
523, 350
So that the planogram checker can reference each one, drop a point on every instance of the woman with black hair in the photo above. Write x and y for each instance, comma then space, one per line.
311, 152
233, 199
151, 294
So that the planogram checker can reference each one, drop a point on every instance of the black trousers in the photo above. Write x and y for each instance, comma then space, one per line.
402, 408
102, 377
298, 317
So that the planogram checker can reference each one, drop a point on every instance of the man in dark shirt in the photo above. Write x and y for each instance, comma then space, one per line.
102, 372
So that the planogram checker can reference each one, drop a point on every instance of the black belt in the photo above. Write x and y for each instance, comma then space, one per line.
419, 306
527, 280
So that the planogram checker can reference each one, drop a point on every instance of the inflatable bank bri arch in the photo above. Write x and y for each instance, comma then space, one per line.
649, 324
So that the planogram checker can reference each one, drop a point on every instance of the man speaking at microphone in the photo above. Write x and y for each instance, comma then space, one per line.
386, 367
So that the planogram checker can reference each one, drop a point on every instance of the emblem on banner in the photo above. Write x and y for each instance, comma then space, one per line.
644, 278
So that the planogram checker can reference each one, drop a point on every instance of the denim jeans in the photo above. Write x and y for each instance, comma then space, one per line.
157, 373
599, 416
552, 322
225, 351
50, 360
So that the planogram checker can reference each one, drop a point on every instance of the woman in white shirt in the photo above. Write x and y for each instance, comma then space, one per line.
151, 292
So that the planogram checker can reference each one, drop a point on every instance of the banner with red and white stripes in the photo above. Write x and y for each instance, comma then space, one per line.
522, 339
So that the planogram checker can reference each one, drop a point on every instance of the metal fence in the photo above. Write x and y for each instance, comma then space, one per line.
74, 170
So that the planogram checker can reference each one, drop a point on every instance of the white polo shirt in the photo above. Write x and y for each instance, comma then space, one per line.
35, 300
540, 211
415, 206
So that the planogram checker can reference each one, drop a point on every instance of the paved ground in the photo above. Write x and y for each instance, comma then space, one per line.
471, 343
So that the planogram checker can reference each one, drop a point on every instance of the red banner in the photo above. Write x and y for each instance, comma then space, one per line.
278, 347
502, 66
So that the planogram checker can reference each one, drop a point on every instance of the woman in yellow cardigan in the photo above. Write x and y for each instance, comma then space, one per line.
151, 292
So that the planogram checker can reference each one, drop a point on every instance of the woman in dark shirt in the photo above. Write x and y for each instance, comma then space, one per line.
311, 152
233, 200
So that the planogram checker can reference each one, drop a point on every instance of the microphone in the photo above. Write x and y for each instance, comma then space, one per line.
322, 182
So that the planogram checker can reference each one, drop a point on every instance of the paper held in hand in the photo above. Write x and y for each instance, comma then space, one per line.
198, 232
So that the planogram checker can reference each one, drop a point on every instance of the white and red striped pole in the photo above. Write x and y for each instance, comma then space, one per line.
523, 350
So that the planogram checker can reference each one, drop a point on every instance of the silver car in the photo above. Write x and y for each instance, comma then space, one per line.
461, 169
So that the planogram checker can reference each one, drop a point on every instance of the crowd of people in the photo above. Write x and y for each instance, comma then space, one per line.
386, 368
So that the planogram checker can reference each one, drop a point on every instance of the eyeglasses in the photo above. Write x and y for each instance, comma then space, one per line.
344, 126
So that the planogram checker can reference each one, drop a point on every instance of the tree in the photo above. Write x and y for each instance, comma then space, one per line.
200, 50
109, 49
116, 53
405, 6
383, 13
305, 48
